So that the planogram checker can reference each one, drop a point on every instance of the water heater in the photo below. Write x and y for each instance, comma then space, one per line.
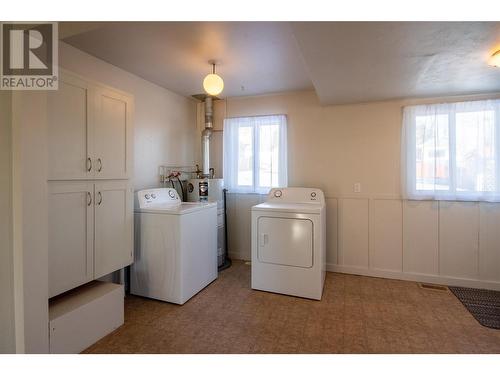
196, 192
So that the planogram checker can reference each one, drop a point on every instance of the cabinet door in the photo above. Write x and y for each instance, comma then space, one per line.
112, 134
113, 226
69, 133
71, 235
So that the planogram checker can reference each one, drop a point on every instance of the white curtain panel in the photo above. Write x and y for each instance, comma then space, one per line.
451, 151
255, 153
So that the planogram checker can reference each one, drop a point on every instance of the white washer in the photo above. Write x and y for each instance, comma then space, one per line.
289, 242
175, 246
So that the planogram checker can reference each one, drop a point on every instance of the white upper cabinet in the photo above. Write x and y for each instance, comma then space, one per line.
69, 130
89, 131
112, 134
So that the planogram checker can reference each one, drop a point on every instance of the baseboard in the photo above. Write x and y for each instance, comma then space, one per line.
434, 279
238, 255
407, 276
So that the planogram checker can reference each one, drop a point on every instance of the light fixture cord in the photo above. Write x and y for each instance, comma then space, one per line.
213, 68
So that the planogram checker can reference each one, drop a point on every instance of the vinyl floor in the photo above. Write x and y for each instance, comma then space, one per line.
356, 315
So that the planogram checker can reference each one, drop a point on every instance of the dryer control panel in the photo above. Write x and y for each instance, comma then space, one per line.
296, 195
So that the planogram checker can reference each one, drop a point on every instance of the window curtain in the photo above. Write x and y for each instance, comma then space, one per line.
255, 153
451, 151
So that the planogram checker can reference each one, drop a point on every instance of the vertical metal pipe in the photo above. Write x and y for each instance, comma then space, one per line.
205, 136
205, 149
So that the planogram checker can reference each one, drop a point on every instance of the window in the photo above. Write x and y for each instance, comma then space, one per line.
255, 156
452, 151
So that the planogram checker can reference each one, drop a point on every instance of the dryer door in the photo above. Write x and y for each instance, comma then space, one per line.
285, 241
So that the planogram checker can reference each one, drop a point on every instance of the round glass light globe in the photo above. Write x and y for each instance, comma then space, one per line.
213, 84
495, 59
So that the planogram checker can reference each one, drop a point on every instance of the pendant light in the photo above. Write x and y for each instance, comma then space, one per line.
213, 83
495, 59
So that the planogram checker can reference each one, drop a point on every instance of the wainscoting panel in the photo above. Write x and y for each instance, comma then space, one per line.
453, 243
232, 227
489, 241
331, 230
386, 234
421, 237
240, 224
353, 232
459, 239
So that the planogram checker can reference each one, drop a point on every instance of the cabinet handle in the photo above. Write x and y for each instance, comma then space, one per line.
89, 198
100, 165
100, 199
89, 164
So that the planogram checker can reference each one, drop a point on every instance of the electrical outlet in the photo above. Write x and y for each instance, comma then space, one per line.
357, 187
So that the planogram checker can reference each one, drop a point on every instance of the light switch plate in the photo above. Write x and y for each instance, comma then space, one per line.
357, 187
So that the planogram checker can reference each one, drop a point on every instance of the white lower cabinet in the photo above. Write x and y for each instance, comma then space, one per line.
71, 235
90, 231
113, 227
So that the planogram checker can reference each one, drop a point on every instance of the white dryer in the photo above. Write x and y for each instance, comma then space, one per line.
289, 242
175, 246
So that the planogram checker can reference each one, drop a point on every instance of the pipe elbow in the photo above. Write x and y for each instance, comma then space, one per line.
206, 133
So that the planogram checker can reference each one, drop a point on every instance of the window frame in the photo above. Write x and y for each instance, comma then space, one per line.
231, 152
409, 151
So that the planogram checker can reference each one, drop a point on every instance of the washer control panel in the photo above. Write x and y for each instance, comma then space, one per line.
164, 196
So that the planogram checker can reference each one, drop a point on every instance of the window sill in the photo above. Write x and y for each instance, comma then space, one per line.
245, 192
448, 199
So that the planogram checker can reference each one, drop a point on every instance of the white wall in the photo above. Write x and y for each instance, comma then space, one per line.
165, 129
165, 134
373, 232
7, 317
29, 153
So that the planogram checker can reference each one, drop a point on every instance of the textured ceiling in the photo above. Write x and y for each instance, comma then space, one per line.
345, 62
367, 61
254, 57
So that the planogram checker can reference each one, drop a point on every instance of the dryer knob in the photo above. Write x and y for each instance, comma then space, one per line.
147, 196
278, 193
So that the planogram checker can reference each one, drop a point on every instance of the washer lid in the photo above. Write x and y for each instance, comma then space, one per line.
300, 208
180, 209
